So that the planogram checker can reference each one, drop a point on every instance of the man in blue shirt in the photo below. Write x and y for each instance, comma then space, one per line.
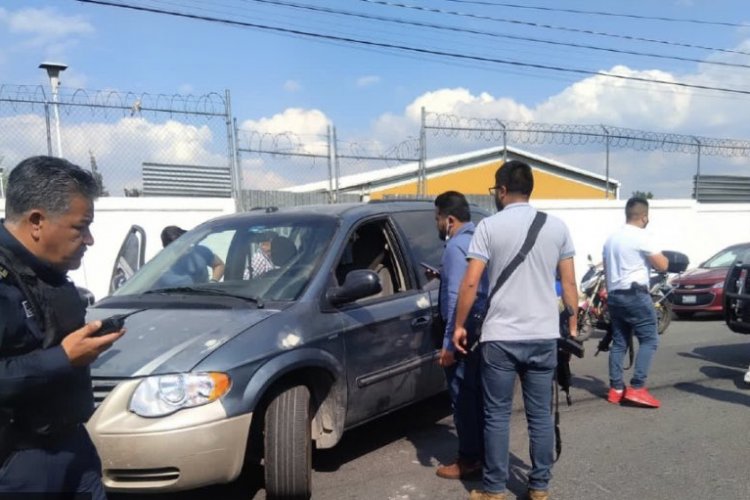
454, 225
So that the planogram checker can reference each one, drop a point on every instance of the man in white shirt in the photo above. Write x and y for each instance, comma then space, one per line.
628, 256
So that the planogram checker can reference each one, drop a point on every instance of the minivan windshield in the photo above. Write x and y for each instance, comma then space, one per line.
264, 258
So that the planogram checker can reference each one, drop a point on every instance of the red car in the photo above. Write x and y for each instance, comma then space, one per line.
702, 289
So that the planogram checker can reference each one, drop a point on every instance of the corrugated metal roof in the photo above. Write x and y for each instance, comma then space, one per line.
409, 171
721, 188
163, 179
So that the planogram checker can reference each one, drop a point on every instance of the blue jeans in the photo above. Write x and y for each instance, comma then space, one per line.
535, 363
466, 400
632, 313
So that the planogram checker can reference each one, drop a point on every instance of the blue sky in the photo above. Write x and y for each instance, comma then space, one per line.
295, 83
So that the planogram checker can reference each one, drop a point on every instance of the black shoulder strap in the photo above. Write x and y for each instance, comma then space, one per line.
539, 219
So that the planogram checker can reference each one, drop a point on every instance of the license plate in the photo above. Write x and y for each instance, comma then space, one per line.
688, 299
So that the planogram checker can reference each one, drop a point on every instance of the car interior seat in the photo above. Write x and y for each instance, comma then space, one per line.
283, 251
369, 252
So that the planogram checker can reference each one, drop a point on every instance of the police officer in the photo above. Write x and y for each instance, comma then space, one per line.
45, 345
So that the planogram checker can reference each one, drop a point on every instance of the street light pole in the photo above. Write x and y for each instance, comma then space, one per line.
53, 72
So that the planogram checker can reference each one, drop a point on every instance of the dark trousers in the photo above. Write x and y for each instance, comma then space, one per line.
69, 467
465, 388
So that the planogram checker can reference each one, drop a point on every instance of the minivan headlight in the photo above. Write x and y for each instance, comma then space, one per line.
163, 395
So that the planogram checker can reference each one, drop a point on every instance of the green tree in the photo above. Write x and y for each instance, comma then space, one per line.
642, 194
97, 175
3, 178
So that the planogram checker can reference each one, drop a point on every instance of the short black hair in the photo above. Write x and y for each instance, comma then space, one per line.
455, 204
46, 183
635, 207
171, 233
516, 176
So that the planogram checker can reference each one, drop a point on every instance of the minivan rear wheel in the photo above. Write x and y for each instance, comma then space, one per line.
288, 445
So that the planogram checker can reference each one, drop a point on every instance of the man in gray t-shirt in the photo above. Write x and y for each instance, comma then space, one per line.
521, 328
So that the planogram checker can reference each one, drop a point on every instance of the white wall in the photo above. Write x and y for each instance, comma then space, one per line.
698, 230
113, 218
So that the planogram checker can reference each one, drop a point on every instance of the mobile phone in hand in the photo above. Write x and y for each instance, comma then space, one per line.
433, 270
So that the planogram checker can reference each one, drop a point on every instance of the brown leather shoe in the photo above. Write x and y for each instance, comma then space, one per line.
484, 495
461, 469
538, 494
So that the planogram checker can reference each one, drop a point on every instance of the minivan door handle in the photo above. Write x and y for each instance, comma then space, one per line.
420, 321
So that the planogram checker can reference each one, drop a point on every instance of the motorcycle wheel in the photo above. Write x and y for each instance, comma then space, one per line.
586, 323
663, 316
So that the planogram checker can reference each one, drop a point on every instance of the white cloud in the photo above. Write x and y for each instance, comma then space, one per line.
119, 147
368, 80
185, 89
292, 86
304, 122
45, 24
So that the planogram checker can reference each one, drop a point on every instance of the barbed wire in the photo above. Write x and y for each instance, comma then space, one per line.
494, 130
292, 145
107, 101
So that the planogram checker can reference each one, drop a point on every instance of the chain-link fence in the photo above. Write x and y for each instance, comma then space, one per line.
141, 143
115, 133
298, 168
641, 160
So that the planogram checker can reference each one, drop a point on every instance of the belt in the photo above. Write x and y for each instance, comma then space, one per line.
634, 288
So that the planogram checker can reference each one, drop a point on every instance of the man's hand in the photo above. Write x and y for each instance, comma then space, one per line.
447, 358
431, 274
459, 339
82, 348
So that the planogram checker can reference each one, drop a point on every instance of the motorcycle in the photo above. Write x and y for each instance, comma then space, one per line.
593, 313
592, 306
660, 291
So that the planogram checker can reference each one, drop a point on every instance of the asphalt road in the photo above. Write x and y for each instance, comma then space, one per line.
696, 446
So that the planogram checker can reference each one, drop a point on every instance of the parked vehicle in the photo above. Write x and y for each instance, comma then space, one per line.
592, 306
661, 290
593, 313
737, 298
261, 367
702, 289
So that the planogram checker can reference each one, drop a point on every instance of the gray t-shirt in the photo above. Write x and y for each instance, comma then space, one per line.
526, 307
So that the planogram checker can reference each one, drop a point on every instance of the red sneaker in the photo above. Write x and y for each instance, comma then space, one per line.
615, 395
640, 397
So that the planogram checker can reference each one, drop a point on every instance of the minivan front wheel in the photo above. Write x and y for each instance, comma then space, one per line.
288, 445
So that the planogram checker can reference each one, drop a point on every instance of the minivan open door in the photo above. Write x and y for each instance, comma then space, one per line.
130, 258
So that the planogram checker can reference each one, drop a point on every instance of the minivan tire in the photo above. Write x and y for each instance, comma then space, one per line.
288, 445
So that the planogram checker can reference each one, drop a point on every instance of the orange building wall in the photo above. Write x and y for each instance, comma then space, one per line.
478, 180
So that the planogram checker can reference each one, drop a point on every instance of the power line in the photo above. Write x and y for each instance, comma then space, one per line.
456, 29
553, 27
603, 13
453, 55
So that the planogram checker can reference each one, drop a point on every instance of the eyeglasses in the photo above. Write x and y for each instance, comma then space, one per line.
493, 190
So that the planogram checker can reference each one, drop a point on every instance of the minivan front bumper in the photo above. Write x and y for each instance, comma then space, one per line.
188, 449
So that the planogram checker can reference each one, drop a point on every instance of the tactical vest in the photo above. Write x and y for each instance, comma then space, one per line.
53, 411
58, 310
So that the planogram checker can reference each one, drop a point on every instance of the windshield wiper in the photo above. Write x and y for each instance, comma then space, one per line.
205, 291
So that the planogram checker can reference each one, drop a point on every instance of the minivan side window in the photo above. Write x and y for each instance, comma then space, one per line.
370, 247
420, 230
421, 233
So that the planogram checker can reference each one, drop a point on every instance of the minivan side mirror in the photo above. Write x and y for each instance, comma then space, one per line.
357, 285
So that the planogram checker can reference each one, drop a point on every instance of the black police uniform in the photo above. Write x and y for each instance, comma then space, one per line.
44, 400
